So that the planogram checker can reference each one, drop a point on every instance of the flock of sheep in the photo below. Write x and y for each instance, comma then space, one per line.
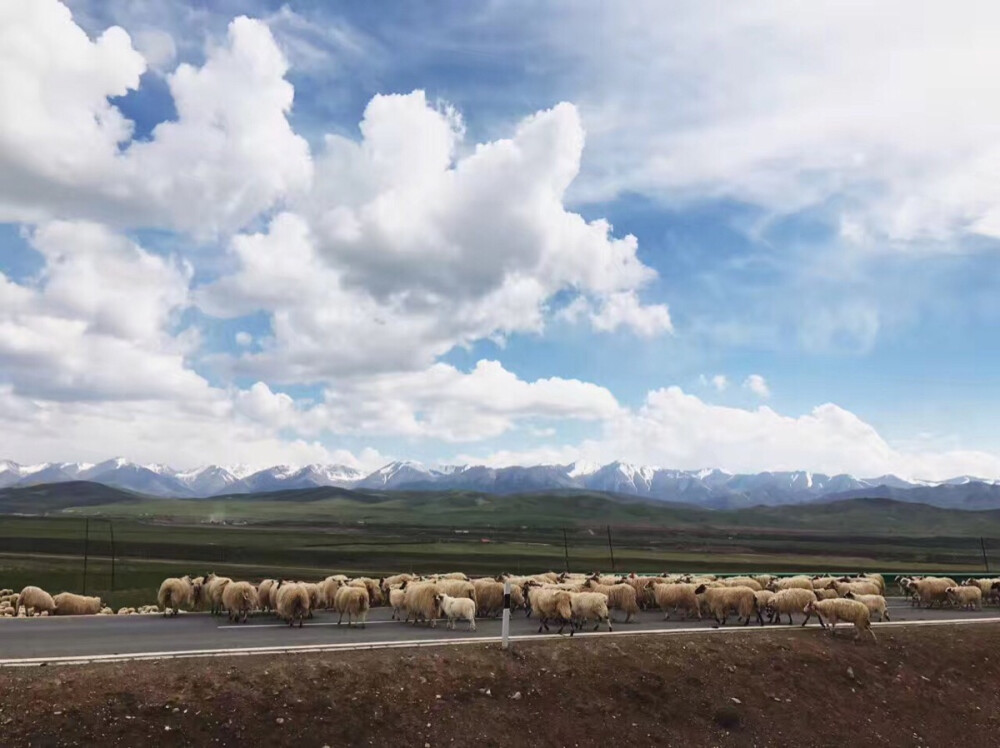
566, 599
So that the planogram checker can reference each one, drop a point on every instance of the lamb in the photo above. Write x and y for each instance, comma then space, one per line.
620, 597
354, 601
968, 597
292, 602
396, 598
35, 601
589, 606
239, 599
719, 601
176, 593
419, 602
214, 585
553, 604
68, 604
842, 609
792, 599
671, 597
875, 603
489, 596
786, 583
457, 609
931, 590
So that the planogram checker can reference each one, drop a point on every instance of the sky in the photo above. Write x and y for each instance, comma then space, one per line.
753, 236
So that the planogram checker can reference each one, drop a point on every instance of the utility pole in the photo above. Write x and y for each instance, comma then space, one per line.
111, 529
986, 560
566, 549
612, 549
86, 551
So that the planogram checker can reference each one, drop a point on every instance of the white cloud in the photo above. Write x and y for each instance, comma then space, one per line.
404, 250
621, 310
883, 112
67, 152
757, 385
439, 403
243, 339
678, 430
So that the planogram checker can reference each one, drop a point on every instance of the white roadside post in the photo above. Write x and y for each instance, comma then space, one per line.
505, 626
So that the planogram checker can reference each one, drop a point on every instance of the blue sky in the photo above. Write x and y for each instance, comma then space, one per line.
340, 232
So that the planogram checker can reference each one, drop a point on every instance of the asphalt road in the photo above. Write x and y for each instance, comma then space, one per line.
30, 641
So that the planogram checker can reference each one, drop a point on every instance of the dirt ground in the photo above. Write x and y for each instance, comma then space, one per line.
927, 686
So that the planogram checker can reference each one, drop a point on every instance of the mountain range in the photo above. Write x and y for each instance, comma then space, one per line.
710, 488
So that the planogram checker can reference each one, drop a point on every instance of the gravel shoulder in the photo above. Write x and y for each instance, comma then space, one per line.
919, 686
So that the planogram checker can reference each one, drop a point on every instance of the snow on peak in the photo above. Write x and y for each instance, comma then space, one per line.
582, 467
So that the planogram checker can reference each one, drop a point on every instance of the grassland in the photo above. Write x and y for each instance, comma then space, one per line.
311, 533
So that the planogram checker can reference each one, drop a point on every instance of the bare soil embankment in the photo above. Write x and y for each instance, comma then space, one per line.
918, 686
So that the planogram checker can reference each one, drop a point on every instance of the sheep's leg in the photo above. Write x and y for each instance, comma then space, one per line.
342, 618
790, 619
884, 615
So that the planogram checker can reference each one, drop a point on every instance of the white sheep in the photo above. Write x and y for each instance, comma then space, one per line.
589, 606
620, 597
354, 601
720, 601
35, 601
419, 602
175, 593
212, 592
788, 601
551, 604
240, 600
931, 590
457, 609
671, 597
68, 604
841, 609
785, 583
291, 602
875, 603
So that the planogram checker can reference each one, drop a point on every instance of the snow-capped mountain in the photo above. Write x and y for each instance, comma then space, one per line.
712, 488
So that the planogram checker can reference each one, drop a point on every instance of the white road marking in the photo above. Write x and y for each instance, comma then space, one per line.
348, 646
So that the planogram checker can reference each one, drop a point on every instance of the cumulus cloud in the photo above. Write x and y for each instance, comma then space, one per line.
66, 151
404, 250
621, 310
757, 385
